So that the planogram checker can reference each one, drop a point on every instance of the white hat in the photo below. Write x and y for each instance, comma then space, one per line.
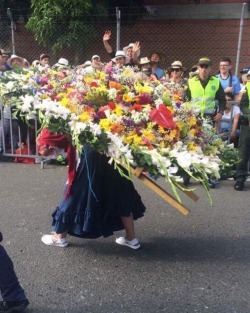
248, 73
144, 61
95, 56
131, 45
35, 63
62, 63
177, 64
13, 57
87, 63
118, 54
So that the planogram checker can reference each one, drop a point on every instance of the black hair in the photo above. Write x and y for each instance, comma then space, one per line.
230, 95
226, 59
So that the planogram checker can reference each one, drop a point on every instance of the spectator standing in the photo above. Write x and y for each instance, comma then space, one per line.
155, 59
10, 124
44, 60
230, 83
132, 51
230, 119
176, 71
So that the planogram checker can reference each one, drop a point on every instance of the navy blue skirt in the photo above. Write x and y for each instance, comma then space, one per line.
99, 197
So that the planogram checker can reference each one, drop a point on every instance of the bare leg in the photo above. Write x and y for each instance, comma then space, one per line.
128, 223
62, 235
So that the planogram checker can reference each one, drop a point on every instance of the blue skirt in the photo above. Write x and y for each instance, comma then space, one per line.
99, 197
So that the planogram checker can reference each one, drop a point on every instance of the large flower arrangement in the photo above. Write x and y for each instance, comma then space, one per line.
133, 120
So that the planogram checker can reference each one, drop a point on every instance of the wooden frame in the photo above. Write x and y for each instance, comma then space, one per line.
138, 172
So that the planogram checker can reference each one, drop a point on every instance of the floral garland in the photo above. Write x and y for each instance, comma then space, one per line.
133, 120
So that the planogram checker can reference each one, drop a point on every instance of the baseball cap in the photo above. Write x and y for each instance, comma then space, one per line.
245, 70
205, 61
95, 56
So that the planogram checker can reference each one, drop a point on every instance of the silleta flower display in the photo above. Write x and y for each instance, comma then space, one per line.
122, 113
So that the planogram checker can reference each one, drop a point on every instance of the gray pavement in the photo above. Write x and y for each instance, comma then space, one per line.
199, 263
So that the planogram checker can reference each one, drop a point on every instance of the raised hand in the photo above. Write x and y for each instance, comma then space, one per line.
107, 35
136, 46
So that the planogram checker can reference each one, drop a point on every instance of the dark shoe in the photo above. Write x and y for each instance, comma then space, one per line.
13, 306
186, 181
239, 185
212, 183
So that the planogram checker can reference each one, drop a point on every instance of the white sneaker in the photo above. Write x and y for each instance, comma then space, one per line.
52, 240
133, 244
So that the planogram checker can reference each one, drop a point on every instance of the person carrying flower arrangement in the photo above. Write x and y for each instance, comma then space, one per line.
97, 199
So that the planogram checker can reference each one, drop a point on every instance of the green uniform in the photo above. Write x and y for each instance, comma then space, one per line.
204, 98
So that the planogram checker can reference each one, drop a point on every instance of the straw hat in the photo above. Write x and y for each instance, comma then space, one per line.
13, 57
62, 63
144, 61
177, 64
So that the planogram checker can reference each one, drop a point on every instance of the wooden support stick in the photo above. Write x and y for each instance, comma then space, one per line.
165, 195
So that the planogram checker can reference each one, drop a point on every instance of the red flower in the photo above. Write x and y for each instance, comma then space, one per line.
101, 111
137, 107
111, 105
162, 116
93, 84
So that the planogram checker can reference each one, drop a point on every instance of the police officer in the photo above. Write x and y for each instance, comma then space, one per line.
206, 94
204, 90
244, 141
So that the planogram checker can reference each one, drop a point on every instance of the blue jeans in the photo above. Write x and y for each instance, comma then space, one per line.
9, 286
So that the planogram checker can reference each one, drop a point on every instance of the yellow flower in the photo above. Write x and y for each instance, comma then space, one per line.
141, 88
84, 117
149, 135
192, 121
126, 97
28, 75
192, 146
105, 124
134, 140
118, 110
65, 102
61, 95
192, 132
102, 75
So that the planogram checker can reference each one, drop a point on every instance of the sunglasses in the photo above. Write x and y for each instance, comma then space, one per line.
175, 70
204, 66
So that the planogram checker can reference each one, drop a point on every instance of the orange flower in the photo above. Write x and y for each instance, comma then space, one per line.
115, 85
117, 129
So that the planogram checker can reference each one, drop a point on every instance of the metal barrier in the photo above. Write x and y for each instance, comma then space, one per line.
18, 138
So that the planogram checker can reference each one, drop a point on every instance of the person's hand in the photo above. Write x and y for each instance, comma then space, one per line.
233, 135
136, 47
218, 116
229, 89
107, 35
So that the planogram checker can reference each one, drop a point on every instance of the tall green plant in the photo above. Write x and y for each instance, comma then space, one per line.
62, 23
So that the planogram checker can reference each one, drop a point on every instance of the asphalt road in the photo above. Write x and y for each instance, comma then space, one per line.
195, 263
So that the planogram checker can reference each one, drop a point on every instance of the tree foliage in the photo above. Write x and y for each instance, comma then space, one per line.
61, 23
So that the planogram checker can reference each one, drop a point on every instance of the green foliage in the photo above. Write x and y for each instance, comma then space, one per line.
61, 23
